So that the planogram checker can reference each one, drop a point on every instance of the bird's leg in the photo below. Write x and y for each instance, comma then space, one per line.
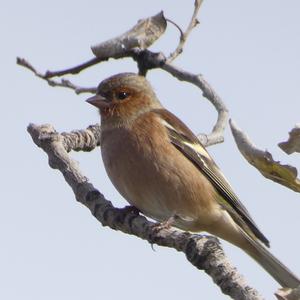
157, 227
165, 224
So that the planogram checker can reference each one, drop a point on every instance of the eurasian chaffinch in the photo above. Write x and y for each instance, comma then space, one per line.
159, 166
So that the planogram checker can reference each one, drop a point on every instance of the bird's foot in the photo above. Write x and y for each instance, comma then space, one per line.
157, 227
167, 224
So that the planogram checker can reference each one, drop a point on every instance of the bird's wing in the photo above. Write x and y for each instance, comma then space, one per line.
189, 145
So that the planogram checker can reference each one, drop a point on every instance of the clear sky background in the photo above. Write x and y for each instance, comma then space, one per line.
51, 246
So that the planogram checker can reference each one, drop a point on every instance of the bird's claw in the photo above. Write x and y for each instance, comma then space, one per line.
167, 224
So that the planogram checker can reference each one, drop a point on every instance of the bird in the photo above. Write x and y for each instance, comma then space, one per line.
161, 168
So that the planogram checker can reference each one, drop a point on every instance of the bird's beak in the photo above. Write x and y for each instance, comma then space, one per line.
98, 101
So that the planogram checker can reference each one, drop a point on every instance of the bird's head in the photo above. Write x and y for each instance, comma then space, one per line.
123, 97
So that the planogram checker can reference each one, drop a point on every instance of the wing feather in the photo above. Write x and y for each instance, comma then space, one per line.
189, 145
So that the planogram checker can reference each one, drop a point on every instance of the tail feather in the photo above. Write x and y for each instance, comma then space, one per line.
271, 264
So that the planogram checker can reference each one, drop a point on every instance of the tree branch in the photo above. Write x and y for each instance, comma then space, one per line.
134, 44
184, 35
76, 69
204, 252
216, 136
149, 60
63, 82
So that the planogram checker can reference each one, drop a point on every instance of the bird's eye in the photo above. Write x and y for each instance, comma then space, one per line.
122, 95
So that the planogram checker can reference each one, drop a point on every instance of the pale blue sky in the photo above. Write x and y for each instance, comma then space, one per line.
52, 248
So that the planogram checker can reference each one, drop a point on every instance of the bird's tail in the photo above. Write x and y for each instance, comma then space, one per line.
271, 264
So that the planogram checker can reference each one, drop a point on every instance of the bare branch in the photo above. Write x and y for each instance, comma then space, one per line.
204, 252
141, 36
78, 89
133, 43
293, 143
216, 136
184, 35
76, 69
148, 60
62, 83
177, 26
263, 161
82, 140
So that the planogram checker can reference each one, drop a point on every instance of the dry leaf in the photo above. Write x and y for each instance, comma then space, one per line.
263, 161
142, 36
293, 143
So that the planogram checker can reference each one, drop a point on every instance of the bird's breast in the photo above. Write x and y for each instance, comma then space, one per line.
151, 174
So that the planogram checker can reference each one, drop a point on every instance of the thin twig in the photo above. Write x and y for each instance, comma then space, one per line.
177, 26
62, 83
204, 252
76, 69
183, 38
216, 136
